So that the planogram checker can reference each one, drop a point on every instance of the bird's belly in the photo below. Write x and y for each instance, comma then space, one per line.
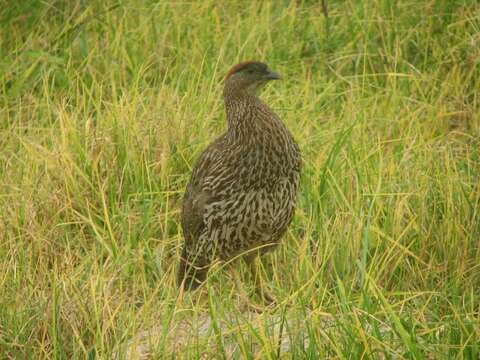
253, 219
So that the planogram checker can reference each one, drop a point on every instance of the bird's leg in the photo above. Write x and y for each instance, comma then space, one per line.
246, 302
252, 263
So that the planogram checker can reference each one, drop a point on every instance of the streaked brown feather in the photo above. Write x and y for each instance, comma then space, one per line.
243, 188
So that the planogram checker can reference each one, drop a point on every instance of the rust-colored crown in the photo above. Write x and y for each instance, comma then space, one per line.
239, 67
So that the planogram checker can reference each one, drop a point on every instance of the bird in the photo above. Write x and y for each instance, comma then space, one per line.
243, 190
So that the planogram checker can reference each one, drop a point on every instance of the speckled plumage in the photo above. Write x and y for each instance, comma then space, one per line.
243, 189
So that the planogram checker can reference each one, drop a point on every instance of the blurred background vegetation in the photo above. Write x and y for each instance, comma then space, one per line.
104, 107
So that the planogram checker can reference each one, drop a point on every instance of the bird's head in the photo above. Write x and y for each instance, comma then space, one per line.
249, 76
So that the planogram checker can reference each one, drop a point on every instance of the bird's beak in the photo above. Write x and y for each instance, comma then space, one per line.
272, 75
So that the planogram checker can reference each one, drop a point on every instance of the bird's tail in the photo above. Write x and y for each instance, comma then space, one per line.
190, 276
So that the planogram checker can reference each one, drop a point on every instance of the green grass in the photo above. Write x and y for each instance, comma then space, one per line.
104, 108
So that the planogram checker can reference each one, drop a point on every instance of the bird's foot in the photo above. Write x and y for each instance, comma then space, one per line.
268, 299
247, 305
265, 295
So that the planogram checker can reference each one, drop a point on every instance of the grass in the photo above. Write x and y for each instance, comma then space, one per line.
105, 106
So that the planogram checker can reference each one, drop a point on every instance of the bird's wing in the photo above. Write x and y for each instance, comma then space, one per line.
198, 194
193, 214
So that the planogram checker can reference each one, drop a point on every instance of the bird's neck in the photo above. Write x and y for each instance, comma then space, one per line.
241, 108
